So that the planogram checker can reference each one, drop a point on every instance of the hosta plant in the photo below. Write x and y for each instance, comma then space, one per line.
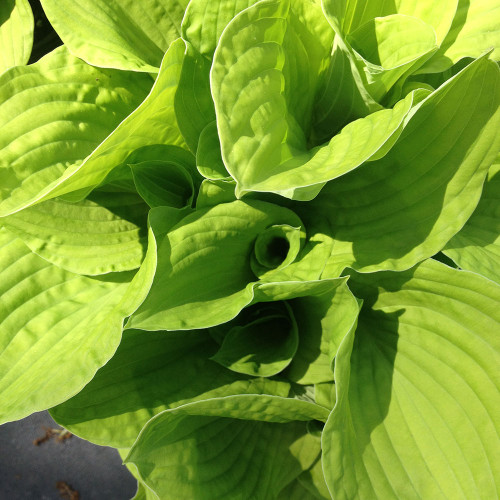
255, 246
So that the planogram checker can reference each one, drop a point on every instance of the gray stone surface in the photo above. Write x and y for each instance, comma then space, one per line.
31, 472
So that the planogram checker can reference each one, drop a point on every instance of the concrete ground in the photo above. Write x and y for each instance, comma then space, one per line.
57, 469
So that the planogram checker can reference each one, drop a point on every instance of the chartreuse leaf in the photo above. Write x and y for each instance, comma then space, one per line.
417, 398
208, 154
142, 380
323, 318
388, 48
204, 22
212, 193
117, 34
204, 275
264, 97
237, 447
53, 114
310, 485
16, 33
476, 247
58, 328
261, 341
163, 183
403, 208
143, 491
102, 234
194, 107
475, 30
153, 122
296, 325
342, 98
265, 76
346, 16
322, 310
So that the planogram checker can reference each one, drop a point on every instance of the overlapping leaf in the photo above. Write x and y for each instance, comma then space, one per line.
116, 34
53, 114
153, 122
102, 234
16, 33
58, 328
403, 208
417, 398
263, 129
142, 379
198, 451
476, 247
204, 275
475, 30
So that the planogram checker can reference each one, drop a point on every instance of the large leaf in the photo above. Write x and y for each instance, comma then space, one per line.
323, 320
388, 49
204, 22
348, 15
477, 246
58, 328
387, 41
194, 107
16, 33
265, 76
204, 275
117, 34
197, 451
142, 380
475, 30
153, 122
263, 132
105, 233
403, 208
53, 114
417, 398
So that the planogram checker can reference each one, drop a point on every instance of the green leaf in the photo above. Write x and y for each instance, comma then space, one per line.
163, 183
310, 485
403, 208
204, 22
476, 247
474, 31
58, 328
153, 123
417, 398
261, 341
194, 107
117, 34
264, 97
212, 193
142, 380
16, 33
143, 491
208, 154
259, 73
323, 318
390, 48
53, 114
342, 98
204, 276
105, 233
197, 451
346, 16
